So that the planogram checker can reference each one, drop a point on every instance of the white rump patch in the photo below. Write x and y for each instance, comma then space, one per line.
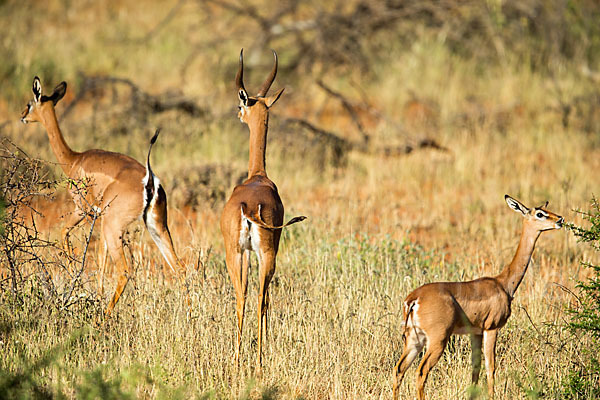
412, 328
249, 235
413, 318
155, 183
151, 223
149, 203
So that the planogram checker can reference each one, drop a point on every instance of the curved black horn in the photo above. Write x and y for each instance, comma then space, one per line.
239, 77
265, 87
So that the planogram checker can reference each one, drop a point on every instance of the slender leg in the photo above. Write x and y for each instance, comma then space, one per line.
239, 308
412, 347
237, 266
435, 348
266, 315
115, 248
120, 208
102, 266
489, 351
476, 341
266, 271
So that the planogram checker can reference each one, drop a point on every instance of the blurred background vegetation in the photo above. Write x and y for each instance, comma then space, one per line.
402, 126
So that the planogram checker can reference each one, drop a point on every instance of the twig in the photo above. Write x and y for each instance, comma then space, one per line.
567, 290
530, 320
83, 259
247, 11
342, 145
138, 97
321, 133
203, 260
423, 143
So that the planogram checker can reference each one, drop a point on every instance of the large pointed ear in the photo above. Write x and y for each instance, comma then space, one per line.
37, 89
59, 92
516, 205
269, 101
243, 96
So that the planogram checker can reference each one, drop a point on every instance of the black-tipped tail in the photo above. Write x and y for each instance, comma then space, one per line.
152, 141
149, 184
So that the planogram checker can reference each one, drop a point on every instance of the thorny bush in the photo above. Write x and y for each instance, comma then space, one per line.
29, 261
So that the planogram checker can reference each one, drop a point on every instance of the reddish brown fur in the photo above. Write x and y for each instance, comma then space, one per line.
113, 182
257, 191
45, 211
435, 311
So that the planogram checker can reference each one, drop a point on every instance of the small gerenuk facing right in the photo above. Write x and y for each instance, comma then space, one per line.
479, 308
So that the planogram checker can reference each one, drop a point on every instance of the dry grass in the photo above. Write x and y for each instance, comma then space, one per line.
378, 227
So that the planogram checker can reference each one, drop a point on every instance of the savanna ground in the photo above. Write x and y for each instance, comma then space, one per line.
508, 91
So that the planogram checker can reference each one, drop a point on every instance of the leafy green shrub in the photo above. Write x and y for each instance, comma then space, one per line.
583, 381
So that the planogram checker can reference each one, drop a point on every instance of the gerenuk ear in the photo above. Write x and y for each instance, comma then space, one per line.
59, 92
243, 96
37, 89
516, 205
269, 101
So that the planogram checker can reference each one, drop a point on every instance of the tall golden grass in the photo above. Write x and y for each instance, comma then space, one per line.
378, 226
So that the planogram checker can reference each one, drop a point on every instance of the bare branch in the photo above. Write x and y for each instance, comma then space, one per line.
350, 109
138, 97
170, 15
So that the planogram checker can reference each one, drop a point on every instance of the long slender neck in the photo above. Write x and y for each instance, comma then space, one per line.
258, 146
64, 155
513, 274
